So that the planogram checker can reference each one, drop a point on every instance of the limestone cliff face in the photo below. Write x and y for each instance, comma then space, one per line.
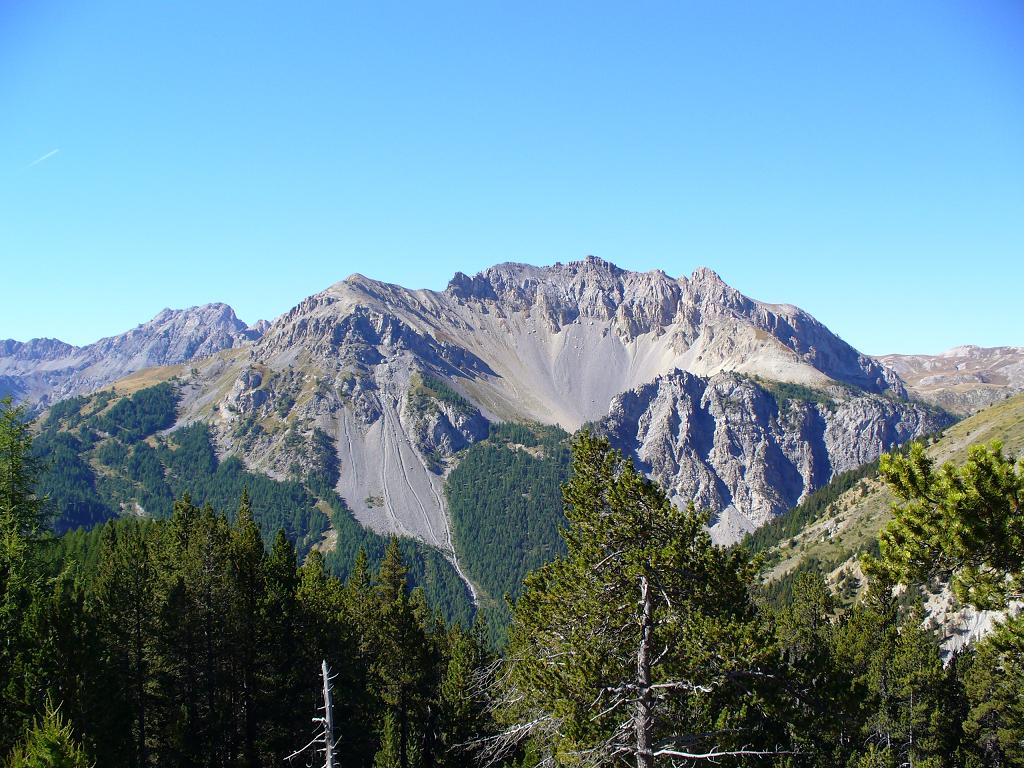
42, 371
555, 344
733, 447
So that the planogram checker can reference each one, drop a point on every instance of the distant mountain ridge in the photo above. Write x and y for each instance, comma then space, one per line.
963, 379
42, 371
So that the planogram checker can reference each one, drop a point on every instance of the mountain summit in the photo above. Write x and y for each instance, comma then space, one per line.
555, 344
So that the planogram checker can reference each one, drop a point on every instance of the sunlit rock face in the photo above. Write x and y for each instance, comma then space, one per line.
731, 446
557, 345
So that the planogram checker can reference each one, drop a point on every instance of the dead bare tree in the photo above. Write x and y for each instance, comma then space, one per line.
325, 731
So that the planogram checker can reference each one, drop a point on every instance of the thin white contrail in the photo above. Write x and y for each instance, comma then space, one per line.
47, 156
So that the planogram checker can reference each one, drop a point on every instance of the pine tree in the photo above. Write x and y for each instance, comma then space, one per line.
994, 680
193, 654
358, 596
247, 556
642, 641
462, 707
921, 725
807, 631
360, 617
388, 754
403, 656
125, 610
327, 634
864, 642
963, 525
49, 744
23, 587
284, 691
21, 511
75, 668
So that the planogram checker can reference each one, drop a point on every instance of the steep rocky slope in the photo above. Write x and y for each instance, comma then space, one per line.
963, 379
746, 450
555, 344
42, 371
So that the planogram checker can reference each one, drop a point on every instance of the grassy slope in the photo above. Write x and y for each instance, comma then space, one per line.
851, 523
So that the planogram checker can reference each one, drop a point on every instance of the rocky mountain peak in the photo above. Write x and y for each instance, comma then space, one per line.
35, 349
706, 276
559, 341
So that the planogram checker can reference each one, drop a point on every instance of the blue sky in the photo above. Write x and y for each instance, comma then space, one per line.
862, 160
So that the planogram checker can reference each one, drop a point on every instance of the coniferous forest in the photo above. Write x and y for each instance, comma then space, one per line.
196, 638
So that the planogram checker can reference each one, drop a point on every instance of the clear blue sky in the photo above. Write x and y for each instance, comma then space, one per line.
862, 160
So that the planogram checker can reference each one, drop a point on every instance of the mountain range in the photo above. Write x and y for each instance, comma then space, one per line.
742, 406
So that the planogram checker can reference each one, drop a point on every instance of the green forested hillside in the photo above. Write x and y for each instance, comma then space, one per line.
187, 641
505, 503
105, 457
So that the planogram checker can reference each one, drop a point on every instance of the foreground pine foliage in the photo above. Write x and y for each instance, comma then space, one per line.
642, 642
50, 743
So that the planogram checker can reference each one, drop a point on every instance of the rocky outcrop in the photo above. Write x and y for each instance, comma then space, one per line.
555, 344
439, 424
42, 371
746, 453
699, 312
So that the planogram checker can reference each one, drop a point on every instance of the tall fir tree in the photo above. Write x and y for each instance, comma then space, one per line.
821, 721
403, 655
360, 618
193, 655
23, 580
922, 727
462, 706
124, 606
247, 558
283, 687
